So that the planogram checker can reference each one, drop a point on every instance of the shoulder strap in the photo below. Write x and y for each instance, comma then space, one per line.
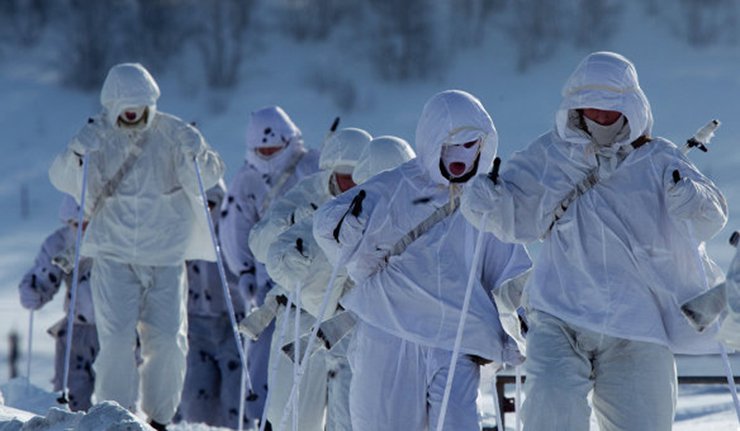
281, 182
110, 187
587, 183
437, 216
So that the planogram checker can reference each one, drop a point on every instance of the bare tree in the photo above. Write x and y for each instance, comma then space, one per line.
469, 20
404, 39
220, 37
313, 19
596, 21
24, 21
535, 30
90, 41
162, 30
709, 21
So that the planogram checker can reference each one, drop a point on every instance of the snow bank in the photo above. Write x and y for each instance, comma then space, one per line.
29, 408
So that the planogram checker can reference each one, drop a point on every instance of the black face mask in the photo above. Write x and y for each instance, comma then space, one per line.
460, 179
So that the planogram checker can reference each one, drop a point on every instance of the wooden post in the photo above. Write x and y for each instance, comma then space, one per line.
14, 353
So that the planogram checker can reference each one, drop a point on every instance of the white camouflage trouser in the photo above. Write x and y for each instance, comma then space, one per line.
211, 392
152, 299
340, 378
313, 387
633, 382
81, 379
399, 385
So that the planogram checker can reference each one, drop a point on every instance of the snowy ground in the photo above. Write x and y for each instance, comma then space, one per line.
686, 86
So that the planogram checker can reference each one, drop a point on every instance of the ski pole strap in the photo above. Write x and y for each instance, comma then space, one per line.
355, 208
256, 321
437, 216
110, 187
330, 333
281, 182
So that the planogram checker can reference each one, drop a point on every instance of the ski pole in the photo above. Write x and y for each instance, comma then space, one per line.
700, 140
493, 175
518, 398
314, 330
723, 352
497, 404
224, 283
296, 364
273, 368
30, 350
460, 328
702, 137
355, 208
242, 383
63, 398
730, 379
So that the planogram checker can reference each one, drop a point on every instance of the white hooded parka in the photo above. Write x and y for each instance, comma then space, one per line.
417, 295
627, 252
155, 215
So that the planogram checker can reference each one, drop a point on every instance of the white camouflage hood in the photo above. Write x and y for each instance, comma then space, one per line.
128, 85
381, 154
454, 117
606, 81
343, 148
271, 127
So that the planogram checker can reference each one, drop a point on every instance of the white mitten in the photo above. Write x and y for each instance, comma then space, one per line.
29, 293
683, 198
479, 196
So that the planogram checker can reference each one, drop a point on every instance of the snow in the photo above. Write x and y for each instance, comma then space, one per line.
686, 86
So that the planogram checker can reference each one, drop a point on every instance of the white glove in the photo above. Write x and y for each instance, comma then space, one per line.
86, 140
351, 229
297, 263
191, 141
705, 309
302, 212
479, 197
729, 332
29, 293
683, 198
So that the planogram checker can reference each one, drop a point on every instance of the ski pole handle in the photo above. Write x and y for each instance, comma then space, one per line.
356, 204
676, 176
355, 208
493, 175
702, 136
334, 125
